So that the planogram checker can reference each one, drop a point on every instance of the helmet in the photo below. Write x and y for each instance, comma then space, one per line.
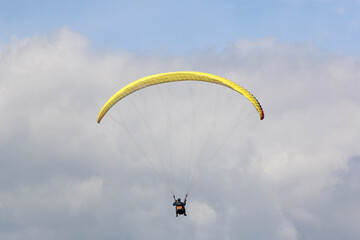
179, 199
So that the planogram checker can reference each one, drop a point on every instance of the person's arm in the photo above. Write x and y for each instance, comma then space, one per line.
174, 204
185, 199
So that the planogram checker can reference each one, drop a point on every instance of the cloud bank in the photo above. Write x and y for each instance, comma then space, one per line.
296, 176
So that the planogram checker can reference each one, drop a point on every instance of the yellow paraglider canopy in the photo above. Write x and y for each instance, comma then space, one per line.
174, 77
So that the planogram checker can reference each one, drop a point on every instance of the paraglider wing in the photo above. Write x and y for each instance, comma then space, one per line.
173, 77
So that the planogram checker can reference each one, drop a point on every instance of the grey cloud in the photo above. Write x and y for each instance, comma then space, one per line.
295, 175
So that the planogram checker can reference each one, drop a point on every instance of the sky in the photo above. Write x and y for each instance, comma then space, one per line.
294, 175
185, 26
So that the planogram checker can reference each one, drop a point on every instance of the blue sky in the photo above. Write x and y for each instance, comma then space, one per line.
183, 26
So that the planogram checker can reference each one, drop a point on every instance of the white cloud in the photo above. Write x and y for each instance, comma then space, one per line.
202, 213
287, 231
64, 177
83, 194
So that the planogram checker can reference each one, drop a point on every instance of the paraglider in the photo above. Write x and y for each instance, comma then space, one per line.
180, 206
169, 77
173, 77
